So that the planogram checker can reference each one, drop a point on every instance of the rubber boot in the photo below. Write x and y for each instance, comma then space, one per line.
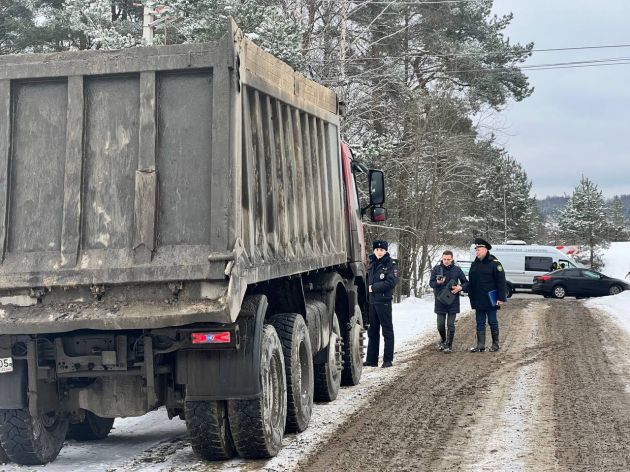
449, 341
495, 341
481, 342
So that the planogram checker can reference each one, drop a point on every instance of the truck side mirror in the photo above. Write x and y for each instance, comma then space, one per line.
378, 214
377, 187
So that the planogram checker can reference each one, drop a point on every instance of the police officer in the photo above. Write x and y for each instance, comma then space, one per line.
382, 278
486, 289
446, 276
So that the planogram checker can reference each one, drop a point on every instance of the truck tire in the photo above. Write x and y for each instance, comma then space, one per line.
92, 428
353, 351
298, 365
257, 425
328, 375
29, 440
209, 429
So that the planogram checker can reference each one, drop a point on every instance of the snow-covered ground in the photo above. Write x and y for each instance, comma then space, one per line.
617, 260
616, 264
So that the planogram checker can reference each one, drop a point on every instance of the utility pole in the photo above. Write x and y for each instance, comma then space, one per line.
147, 30
343, 45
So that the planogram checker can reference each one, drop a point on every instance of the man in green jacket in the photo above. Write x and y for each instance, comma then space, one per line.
487, 291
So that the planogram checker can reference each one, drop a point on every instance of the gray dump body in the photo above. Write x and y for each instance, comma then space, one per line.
209, 167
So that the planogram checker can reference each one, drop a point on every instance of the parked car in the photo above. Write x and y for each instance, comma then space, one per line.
577, 282
523, 261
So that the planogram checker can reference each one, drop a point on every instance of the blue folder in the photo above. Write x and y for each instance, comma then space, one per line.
492, 295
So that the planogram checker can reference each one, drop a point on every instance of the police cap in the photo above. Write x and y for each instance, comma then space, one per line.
480, 242
379, 244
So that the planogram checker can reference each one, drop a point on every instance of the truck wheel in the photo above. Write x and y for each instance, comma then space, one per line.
298, 364
29, 440
92, 428
328, 375
257, 425
353, 351
209, 430
509, 291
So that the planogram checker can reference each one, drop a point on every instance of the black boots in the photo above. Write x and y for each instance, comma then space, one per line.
495, 341
448, 347
481, 342
442, 344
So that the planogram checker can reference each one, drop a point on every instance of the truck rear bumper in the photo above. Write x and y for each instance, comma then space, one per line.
61, 318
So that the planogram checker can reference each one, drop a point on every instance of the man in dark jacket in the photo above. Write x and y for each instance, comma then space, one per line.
447, 277
382, 278
487, 290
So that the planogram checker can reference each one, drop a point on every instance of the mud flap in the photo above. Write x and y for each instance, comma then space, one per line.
13, 387
228, 374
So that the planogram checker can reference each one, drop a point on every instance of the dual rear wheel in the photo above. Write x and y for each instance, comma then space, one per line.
37, 440
254, 428
32, 440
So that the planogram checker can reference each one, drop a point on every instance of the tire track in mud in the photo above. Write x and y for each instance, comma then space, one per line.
554, 398
591, 401
408, 425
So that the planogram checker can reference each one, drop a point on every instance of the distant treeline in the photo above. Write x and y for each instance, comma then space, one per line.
550, 205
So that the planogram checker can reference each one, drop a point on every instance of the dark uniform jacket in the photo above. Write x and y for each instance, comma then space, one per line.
484, 276
383, 277
453, 276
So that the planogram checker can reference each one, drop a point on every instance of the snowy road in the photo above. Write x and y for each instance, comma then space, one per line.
555, 398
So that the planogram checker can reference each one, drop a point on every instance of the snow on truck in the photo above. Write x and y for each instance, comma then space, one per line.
180, 226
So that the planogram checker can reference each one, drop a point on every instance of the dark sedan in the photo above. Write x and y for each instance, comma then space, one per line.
578, 283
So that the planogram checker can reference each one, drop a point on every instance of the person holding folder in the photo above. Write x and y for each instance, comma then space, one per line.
486, 290
447, 280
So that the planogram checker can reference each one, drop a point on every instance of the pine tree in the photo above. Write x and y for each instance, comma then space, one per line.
16, 19
618, 222
583, 220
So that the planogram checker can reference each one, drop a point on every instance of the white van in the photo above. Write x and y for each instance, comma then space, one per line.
522, 262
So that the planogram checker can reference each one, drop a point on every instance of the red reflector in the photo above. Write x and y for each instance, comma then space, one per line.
222, 337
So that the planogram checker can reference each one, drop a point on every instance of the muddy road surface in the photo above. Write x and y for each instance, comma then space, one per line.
556, 397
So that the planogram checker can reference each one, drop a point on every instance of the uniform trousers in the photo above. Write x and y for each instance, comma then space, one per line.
380, 317
490, 315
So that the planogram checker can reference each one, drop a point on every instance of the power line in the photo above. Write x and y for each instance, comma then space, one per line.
471, 54
406, 2
568, 65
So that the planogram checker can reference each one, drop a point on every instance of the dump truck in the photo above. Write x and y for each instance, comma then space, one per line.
180, 227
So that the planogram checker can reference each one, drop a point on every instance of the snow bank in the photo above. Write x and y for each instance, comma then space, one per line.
617, 305
617, 260
616, 264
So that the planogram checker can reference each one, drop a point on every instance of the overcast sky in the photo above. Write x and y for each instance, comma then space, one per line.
578, 120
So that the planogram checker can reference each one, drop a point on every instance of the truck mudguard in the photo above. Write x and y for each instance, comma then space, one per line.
13, 387
228, 374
